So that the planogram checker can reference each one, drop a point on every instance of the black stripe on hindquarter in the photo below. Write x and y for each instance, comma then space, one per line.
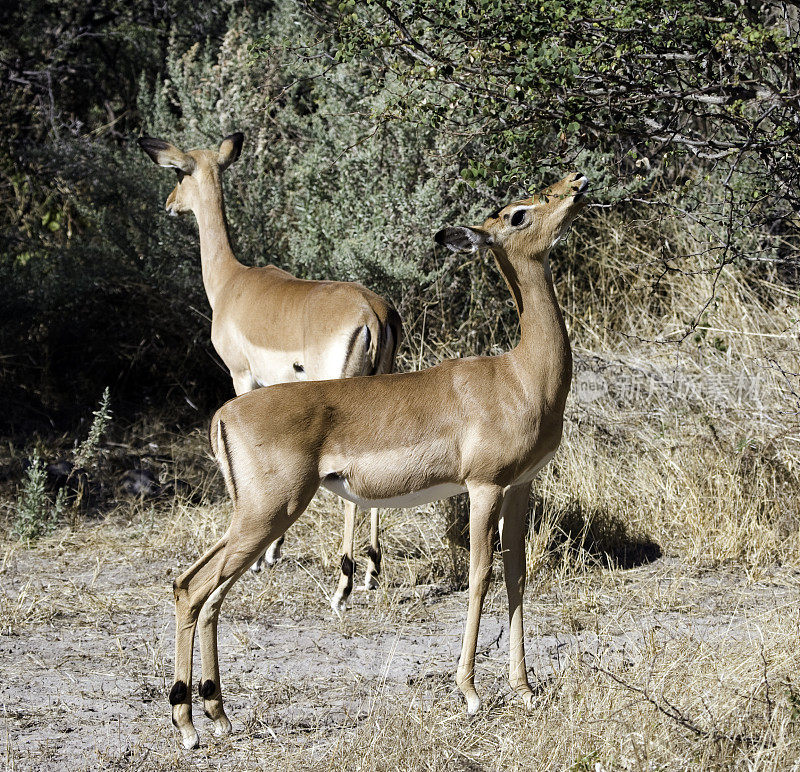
366, 350
223, 441
351, 346
395, 324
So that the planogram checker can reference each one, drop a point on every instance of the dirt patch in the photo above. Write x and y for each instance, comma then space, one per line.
87, 635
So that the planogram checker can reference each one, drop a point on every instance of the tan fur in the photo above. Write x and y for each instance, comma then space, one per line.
268, 326
485, 423
265, 320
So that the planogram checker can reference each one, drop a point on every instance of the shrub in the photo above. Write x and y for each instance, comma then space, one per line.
36, 513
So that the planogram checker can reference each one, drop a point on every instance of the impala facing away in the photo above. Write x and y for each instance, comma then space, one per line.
485, 425
269, 327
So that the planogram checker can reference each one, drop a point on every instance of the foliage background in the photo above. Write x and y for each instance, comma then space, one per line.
369, 125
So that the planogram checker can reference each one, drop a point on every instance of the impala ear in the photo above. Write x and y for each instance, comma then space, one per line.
164, 154
230, 149
464, 239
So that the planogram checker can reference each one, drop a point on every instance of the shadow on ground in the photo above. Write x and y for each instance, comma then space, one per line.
603, 538
595, 534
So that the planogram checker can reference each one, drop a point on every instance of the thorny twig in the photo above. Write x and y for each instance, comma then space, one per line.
673, 712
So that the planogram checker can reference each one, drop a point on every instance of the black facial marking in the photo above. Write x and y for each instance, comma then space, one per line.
577, 177
348, 567
375, 556
178, 693
494, 215
207, 714
207, 688
518, 217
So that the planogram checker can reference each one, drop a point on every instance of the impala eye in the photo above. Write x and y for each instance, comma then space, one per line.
518, 217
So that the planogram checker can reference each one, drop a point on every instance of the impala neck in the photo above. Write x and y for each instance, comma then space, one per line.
543, 352
216, 255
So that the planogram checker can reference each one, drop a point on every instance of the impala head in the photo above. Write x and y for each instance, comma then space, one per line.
527, 229
198, 170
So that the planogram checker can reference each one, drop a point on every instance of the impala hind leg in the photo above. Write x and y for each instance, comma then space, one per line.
512, 524
345, 586
373, 553
191, 589
209, 685
199, 593
243, 381
484, 506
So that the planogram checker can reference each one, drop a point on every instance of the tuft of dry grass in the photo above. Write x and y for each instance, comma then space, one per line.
683, 428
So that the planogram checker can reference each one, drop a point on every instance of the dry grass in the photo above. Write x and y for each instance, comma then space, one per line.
684, 426
662, 666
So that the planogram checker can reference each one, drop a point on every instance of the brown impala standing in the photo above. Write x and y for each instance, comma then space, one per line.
485, 425
269, 327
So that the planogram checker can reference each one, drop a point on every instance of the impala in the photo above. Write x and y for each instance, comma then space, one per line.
485, 425
270, 327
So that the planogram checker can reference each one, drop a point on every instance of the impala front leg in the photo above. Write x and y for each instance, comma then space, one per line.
270, 556
273, 553
345, 587
484, 505
374, 552
512, 524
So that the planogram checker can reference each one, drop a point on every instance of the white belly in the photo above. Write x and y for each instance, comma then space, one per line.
341, 487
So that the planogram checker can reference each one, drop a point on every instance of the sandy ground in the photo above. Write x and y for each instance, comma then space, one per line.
87, 630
